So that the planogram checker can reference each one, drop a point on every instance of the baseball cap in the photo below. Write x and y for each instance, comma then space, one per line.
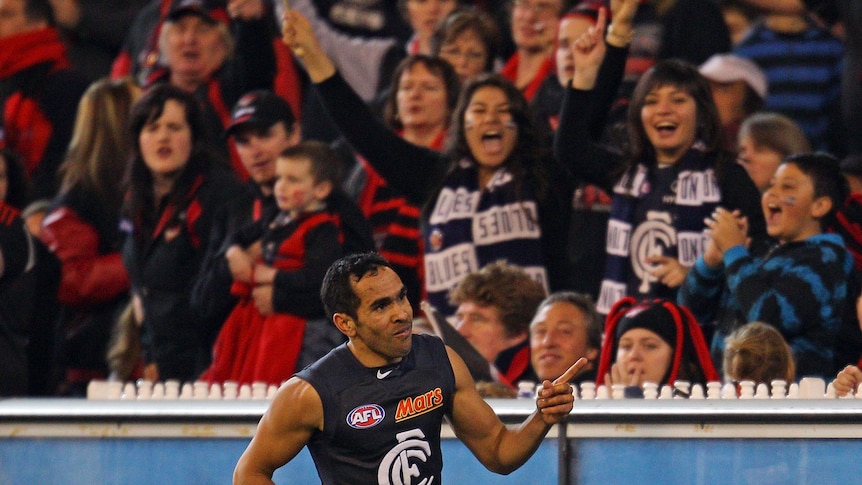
210, 11
261, 108
588, 9
726, 68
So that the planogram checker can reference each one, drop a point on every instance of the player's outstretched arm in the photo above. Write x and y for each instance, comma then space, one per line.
294, 414
499, 448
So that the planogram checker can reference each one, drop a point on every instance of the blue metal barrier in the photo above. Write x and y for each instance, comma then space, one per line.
686, 442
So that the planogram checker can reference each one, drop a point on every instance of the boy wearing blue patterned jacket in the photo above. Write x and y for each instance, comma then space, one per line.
800, 286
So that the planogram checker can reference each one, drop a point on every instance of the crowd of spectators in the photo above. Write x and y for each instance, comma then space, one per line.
530, 168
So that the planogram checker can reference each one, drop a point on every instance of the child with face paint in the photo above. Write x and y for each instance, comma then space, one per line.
801, 286
289, 252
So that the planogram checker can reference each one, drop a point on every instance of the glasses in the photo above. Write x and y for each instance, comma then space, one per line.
541, 9
455, 53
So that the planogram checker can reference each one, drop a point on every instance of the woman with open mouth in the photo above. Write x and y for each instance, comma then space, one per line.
492, 194
674, 172
418, 106
176, 189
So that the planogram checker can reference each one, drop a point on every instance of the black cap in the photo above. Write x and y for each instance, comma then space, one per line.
260, 108
588, 9
209, 11
651, 316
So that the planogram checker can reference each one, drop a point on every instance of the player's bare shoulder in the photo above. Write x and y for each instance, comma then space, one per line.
296, 404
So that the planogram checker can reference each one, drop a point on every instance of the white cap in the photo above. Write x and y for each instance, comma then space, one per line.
726, 68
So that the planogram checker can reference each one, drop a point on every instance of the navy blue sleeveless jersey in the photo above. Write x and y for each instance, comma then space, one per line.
382, 424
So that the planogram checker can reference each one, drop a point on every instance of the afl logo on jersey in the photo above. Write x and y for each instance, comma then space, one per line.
365, 416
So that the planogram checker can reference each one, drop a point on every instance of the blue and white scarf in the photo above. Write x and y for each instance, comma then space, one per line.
674, 227
469, 228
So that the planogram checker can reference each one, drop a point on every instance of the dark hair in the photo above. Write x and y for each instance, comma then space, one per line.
826, 176
685, 76
139, 180
852, 165
506, 287
437, 67
584, 303
466, 20
39, 10
17, 187
528, 154
337, 290
325, 165
751, 101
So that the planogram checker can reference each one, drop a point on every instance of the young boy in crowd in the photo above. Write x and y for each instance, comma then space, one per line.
288, 252
801, 285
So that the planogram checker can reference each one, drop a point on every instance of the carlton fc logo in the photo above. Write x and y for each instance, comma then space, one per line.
365, 416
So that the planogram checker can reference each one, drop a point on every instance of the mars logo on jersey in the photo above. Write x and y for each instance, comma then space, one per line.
365, 416
414, 406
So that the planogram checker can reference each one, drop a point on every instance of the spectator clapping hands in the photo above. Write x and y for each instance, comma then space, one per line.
725, 229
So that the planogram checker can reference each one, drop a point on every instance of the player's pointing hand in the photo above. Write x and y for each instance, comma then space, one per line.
555, 399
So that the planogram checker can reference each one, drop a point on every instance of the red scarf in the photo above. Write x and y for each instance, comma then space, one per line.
510, 72
413, 46
24, 127
21, 51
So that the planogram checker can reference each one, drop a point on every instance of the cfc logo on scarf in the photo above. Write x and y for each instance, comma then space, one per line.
653, 237
365, 416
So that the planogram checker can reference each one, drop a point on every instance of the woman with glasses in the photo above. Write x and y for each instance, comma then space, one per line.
469, 40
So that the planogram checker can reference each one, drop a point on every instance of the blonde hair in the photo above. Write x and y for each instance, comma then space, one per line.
100, 145
776, 132
758, 352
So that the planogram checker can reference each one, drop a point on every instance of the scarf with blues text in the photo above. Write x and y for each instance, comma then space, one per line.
469, 228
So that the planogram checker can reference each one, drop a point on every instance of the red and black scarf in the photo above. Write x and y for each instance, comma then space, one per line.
23, 51
25, 58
